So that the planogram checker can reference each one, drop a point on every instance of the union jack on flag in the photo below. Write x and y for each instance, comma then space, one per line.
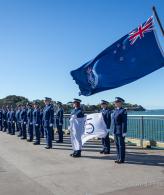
141, 30
130, 58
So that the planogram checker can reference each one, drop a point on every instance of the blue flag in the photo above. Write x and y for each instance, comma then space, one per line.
128, 59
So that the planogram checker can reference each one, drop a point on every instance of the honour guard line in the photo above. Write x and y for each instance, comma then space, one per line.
32, 121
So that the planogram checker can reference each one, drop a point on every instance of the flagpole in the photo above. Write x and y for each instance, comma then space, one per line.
158, 20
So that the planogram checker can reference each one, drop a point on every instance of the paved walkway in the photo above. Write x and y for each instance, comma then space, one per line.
26, 169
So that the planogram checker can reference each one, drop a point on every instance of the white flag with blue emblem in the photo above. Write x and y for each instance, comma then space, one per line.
95, 127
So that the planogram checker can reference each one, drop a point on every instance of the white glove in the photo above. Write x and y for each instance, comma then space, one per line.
69, 128
72, 118
24, 122
13, 121
30, 123
51, 125
110, 132
124, 135
36, 125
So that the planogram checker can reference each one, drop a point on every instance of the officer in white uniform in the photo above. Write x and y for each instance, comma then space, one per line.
76, 128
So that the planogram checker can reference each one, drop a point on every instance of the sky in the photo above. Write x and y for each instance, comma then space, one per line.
41, 41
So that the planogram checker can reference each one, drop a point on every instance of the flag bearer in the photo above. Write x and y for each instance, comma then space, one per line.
107, 119
76, 128
119, 120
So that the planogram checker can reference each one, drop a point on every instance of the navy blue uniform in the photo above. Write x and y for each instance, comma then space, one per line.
59, 123
48, 122
107, 119
1, 119
23, 117
36, 124
8, 122
30, 123
41, 124
78, 112
119, 119
4, 120
12, 120
17, 117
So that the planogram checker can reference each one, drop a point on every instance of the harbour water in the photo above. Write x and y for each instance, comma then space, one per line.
148, 125
147, 112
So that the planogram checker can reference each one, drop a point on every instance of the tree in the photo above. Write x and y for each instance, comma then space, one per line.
13, 100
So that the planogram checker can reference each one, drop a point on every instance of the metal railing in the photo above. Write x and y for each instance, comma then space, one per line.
143, 127
146, 127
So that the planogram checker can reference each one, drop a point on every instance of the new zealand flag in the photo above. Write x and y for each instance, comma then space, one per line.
128, 59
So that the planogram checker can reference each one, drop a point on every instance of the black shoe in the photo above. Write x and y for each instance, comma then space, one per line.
102, 152
106, 152
23, 138
119, 161
48, 147
59, 141
19, 135
76, 155
73, 153
36, 143
29, 140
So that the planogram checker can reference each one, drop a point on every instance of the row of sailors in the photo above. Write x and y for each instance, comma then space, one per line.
40, 121
31, 119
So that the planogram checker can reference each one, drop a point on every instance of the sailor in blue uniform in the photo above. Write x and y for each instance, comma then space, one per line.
59, 121
12, 120
30, 121
17, 117
107, 119
119, 120
41, 123
48, 121
76, 128
23, 117
1, 119
4, 119
19, 120
36, 122
8, 121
